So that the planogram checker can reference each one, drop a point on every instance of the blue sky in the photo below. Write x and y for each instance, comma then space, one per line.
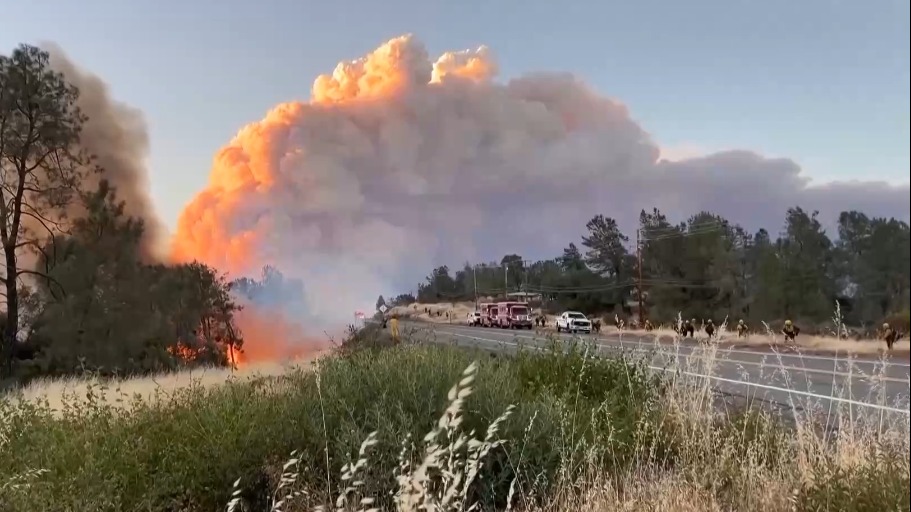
823, 82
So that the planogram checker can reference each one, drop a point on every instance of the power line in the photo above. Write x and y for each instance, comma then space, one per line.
692, 232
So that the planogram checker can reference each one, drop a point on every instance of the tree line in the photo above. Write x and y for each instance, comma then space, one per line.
708, 267
78, 292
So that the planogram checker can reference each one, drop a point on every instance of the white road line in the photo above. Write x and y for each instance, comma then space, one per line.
730, 381
790, 391
616, 339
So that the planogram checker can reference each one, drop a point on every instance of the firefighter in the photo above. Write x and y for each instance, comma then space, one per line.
688, 328
648, 326
790, 330
741, 329
394, 325
710, 328
889, 335
385, 319
596, 325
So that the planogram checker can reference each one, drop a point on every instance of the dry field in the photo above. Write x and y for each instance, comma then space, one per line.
58, 394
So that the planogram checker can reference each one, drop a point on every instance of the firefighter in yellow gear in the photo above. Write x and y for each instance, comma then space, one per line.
648, 326
394, 329
790, 330
741, 329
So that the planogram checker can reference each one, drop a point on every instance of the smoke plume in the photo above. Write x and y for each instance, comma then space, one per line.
399, 162
116, 134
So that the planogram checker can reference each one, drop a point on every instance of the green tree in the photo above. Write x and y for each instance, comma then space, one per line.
806, 255
873, 255
404, 299
663, 248
712, 264
40, 166
439, 286
514, 270
119, 316
708, 267
606, 244
572, 259
608, 256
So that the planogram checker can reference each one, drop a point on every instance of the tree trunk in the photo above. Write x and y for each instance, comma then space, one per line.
11, 329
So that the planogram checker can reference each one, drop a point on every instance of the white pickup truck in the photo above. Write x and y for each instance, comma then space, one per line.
573, 321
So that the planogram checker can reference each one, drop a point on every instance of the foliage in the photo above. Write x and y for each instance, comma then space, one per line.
100, 309
40, 168
708, 267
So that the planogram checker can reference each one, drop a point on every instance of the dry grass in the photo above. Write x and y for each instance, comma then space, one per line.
59, 394
458, 312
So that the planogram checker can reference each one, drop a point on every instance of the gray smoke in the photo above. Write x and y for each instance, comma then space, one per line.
117, 135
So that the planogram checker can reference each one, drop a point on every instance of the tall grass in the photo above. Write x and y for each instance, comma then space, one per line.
444, 429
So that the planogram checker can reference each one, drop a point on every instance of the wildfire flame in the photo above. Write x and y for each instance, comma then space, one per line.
182, 351
235, 355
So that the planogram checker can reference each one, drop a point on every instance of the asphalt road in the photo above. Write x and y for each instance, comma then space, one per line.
797, 381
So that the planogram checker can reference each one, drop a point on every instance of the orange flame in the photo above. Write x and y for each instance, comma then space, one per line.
182, 351
235, 355
269, 336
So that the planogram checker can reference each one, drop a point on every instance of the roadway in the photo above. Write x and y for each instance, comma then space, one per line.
797, 381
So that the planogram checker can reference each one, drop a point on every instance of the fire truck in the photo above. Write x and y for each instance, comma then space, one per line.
513, 315
488, 314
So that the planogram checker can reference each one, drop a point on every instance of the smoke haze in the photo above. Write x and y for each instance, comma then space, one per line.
399, 162
117, 135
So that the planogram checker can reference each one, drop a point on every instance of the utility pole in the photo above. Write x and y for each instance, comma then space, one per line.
639, 280
474, 274
506, 281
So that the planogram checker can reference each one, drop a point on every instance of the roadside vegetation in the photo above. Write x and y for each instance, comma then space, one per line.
396, 427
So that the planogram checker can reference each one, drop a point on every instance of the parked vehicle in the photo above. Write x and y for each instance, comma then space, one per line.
488, 314
513, 315
573, 321
474, 318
